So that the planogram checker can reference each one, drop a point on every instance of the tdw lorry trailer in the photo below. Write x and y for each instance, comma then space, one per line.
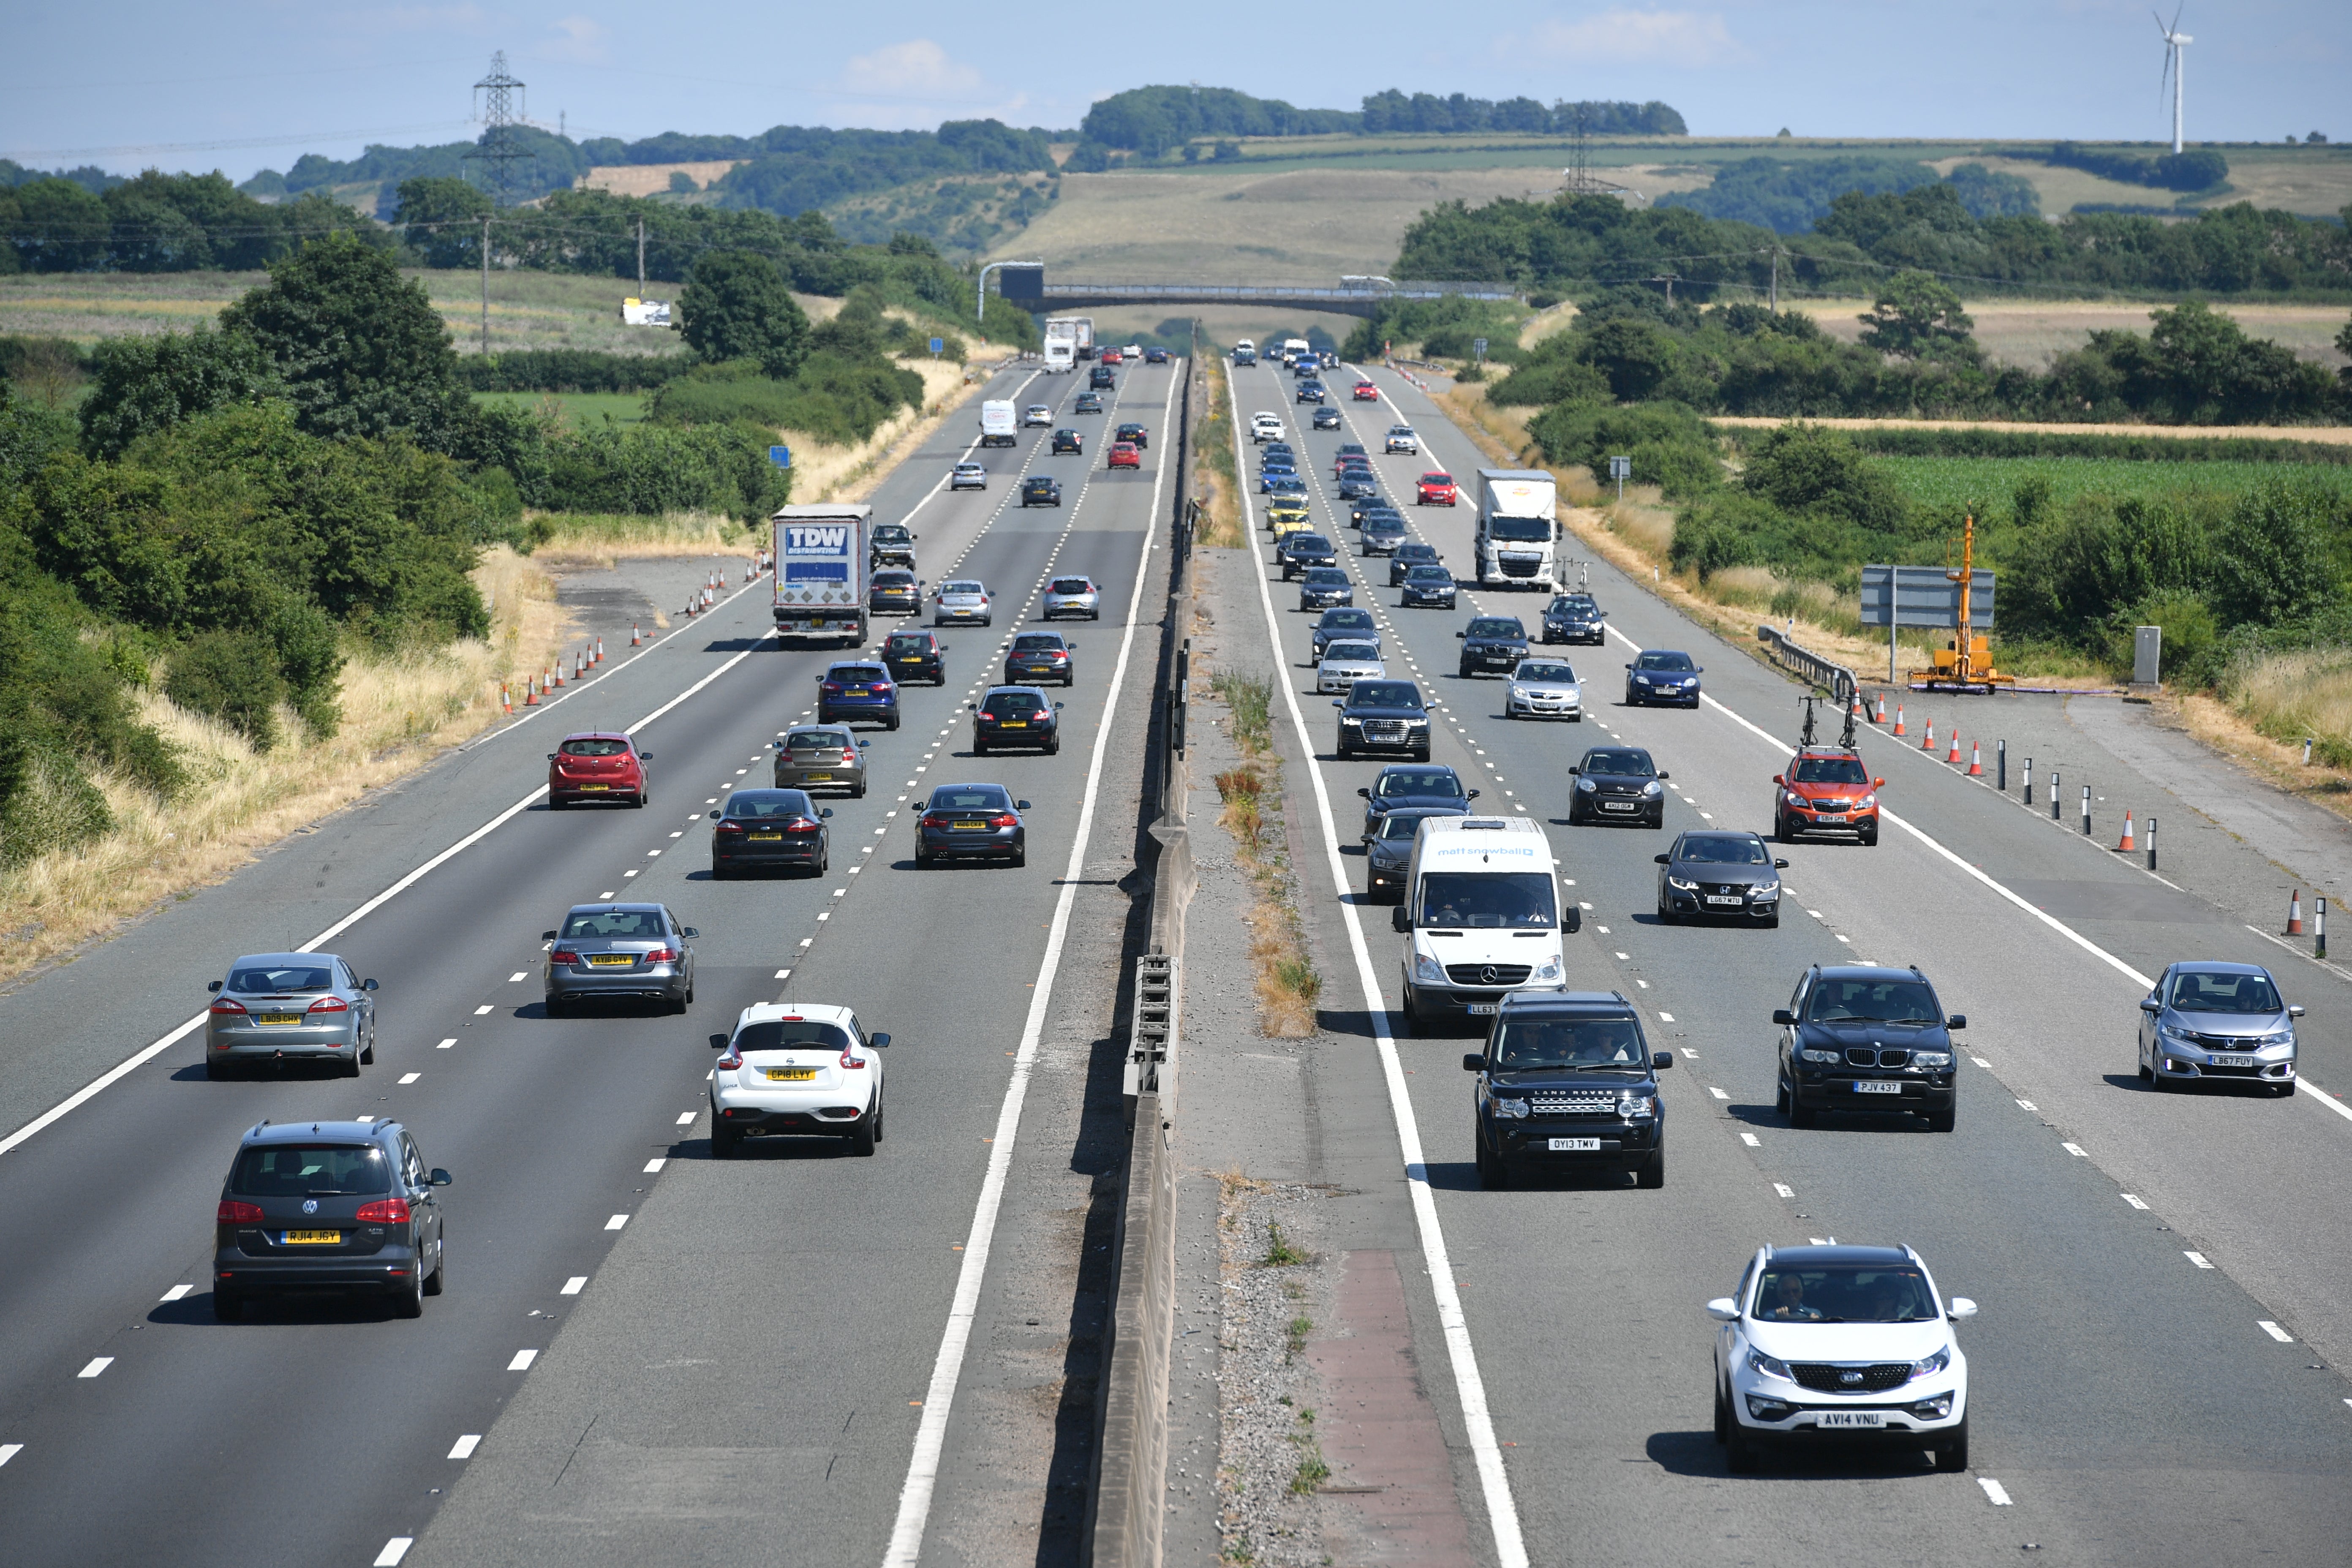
821, 571
1514, 546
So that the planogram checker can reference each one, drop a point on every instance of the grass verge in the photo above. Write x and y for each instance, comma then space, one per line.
1216, 482
1286, 982
600, 539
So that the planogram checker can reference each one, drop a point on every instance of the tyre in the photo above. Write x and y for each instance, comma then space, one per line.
718, 873
219, 1072
979, 747
1493, 1173
1799, 1113
556, 803
1943, 1121
1071, 678
1781, 1097
1053, 747
228, 1307
1870, 836
1952, 1454
637, 801
439, 1280
1346, 754
1659, 821
857, 793
1020, 856
1653, 1174
1422, 755
367, 1052
408, 1301
1782, 830
2284, 1092
1575, 818
879, 1117
1411, 1010
2147, 1073
1094, 616
553, 1005
893, 724
1463, 673
1739, 1454
1667, 915
351, 1068
861, 1137
726, 1142
1773, 924
1722, 1416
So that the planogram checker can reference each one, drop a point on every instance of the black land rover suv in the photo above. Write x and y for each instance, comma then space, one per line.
1858, 1037
1567, 1082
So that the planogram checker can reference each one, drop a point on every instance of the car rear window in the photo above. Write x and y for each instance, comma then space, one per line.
628, 925
967, 797
593, 748
812, 739
282, 978
1002, 702
780, 803
790, 1035
910, 642
1384, 694
1072, 585
1030, 640
858, 672
304, 1170
961, 588
892, 579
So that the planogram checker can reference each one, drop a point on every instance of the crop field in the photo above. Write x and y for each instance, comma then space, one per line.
582, 407
2029, 331
1985, 485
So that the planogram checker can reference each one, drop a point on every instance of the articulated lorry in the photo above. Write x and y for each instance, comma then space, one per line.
821, 571
1069, 340
1516, 529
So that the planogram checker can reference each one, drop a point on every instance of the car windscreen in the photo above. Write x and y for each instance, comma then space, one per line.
1310, 545
628, 925
1384, 694
1072, 585
1872, 1001
1723, 849
984, 797
1003, 703
1519, 529
1429, 574
1417, 782
1569, 605
1029, 641
594, 748
1437, 479
282, 978
895, 532
1623, 763
790, 1035
1486, 626
1355, 652
782, 804
1831, 771
1544, 673
1416, 552
310, 1169
1568, 1043
1845, 1293
1404, 824
1326, 577
2197, 992
1663, 661
1346, 620
1517, 899
814, 739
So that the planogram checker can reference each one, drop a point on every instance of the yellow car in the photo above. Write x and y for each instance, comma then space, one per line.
1286, 514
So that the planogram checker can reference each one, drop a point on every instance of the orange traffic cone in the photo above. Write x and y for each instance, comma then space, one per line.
557, 683
2127, 847
2295, 914
637, 635
1929, 744
1898, 717
1976, 767
1955, 758
531, 694
1880, 716
599, 652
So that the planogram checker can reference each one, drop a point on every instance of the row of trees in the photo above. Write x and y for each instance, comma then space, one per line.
1793, 197
1153, 121
159, 223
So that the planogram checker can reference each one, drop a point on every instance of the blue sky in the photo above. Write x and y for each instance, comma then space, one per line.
244, 84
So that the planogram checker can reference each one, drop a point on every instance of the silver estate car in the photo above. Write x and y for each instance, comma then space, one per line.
821, 756
1072, 597
620, 950
276, 1008
2218, 1023
1545, 689
962, 602
1037, 414
968, 476
1346, 663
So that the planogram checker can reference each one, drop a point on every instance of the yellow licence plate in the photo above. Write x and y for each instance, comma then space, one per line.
818, 778
1014, 724
611, 960
313, 1238
969, 827
279, 1020
791, 1075
765, 838
585, 788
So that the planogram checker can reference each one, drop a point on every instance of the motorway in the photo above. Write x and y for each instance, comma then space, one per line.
2162, 1278
779, 1343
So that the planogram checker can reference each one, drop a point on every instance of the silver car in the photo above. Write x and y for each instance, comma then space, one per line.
1545, 689
821, 756
290, 1006
620, 950
1037, 414
961, 603
968, 476
1402, 439
1073, 597
1346, 663
2215, 1022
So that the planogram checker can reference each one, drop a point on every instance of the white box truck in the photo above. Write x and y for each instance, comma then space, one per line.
821, 569
1482, 915
1516, 529
1061, 343
998, 423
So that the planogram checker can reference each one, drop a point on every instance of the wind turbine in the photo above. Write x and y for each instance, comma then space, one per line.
2175, 40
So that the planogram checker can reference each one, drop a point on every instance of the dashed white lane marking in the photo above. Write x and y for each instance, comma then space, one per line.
2076, 1150
463, 1448
606, 894
574, 1285
784, 974
2132, 1199
655, 1163
2025, 1105
2275, 1331
1982, 1063
446, 1044
651, 853
1717, 1092
679, 834
1994, 1491
176, 1291
1665, 1017
482, 1010
1848, 940
1751, 1140
1626, 957
393, 1551
686, 1118
522, 1360
1784, 1189
97, 1365
1693, 1055
10, 1450
2199, 1258
616, 1222
410, 1077
518, 974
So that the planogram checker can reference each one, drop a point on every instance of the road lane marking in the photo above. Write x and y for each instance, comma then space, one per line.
97, 1365
1784, 1189
1751, 1140
410, 1077
10, 1450
463, 1448
616, 1222
176, 1291
2199, 1258
518, 974
393, 1551
574, 1285
2076, 1150
685, 1117
2025, 1105
1665, 1017
655, 1163
1994, 1491
2132, 1199
481, 1010
446, 1044
2275, 1331
522, 1360
1717, 1092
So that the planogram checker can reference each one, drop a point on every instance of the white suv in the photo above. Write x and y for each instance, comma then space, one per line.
801, 1069
1839, 1344
1264, 427
1403, 439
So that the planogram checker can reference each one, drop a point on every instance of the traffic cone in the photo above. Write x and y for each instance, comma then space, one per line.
1976, 770
531, 694
2295, 914
505, 698
1955, 758
637, 635
1929, 744
1880, 716
600, 651
557, 683
1857, 705
2127, 847
1899, 716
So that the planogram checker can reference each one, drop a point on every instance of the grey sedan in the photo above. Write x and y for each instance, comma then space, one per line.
2217, 1022
1543, 688
1072, 597
1729, 874
620, 950
277, 1007
963, 603
821, 756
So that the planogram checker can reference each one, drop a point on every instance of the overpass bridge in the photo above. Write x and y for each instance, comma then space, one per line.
1027, 287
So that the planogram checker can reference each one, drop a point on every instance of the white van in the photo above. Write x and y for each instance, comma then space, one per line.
1483, 915
998, 423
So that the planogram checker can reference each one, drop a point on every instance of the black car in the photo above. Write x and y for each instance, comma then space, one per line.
1383, 716
1390, 852
1041, 489
1574, 618
1406, 557
1493, 643
1430, 587
1867, 1038
911, 656
343, 1206
1037, 657
1383, 534
1298, 550
1423, 788
1568, 1083
1087, 403
1343, 624
1324, 588
1066, 442
1102, 375
1325, 418
1366, 507
1010, 717
1155, 355
1714, 873
895, 589
972, 822
760, 829
1138, 434
1358, 484
1617, 784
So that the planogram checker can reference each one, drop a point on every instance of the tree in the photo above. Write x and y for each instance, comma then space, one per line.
1634, 354
2270, 559
1808, 468
2344, 342
148, 383
739, 306
442, 217
1917, 316
361, 349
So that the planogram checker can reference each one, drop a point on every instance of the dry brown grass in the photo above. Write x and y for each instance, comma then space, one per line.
2238, 734
400, 710
602, 540
1216, 479
1254, 804
825, 472
2334, 435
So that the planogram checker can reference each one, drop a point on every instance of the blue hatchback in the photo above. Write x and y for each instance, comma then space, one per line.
1662, 675
849, 692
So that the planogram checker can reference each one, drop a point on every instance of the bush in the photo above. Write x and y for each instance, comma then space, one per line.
231, 676
569, 370
649, 469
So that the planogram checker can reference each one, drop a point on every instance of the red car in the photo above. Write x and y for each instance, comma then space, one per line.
1112, 356
1435, 489
1827, 789
1125, 454
1366, 393
596, 766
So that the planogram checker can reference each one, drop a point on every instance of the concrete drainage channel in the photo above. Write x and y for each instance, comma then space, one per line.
1128, 1504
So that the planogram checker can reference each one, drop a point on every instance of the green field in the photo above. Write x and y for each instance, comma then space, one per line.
1985, 484
584, 408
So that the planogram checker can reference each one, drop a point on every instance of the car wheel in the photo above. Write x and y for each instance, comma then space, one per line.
367, 1052
726, 1142
718, 873
979, 747
637, 802
1653, 1174
228, 1307
1773, 923
1943, 1121
880, 1118
352, 1068
857, 792
1020, 856
408, 1301
1952, 1454
1493, 1173
1094, 616
1739, 1453
1053, 747
1665, 914
1869, 836
861, 1137
219, 1071
2285, 1091
439, 1280
893, 725
1722, 1416
2147, 1073
556, 804
1462, 673
1781, 831
1799, 1113
1422, 755
1780, 1096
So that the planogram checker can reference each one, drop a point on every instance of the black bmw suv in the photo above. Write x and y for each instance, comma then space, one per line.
1567, 1082
1866, 1038
1574, 618
1493, 643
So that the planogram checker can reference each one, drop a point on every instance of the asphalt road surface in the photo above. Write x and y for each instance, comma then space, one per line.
2161, 1277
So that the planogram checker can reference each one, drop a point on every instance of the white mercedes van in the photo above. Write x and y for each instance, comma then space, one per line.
1483, 915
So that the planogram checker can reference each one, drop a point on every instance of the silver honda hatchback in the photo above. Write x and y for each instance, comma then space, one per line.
1072, 597
620, 950
2218, 1023
277, 1007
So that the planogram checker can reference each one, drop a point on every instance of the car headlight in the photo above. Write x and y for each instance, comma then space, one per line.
1573, 694
1641, 680
2172, 1031
1769, 1366
1416, 723
1587, 785
1868, 801
1549, 970
2284, 1037
1653, 788
1679, 885
1792, 797
1823, 1057
1638, 1107
1516, 1109
1519, 693
1349, 719
1427, 968
1765, 890
1934, 1062
1928, 1366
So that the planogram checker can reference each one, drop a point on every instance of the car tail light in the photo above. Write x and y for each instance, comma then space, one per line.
731, 1060
730, 828
1061, 659
848, 755
1005, 820
988, 718
803, 825
234, 1212
833, 686
662, 955
384, 1211
331, 1005
226, 1007
850, 1061
932, 819
563, 955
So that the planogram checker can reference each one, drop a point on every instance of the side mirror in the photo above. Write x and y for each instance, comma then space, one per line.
1401, 919
1020, 805
2150, 1005
551, 757
2295, 1011
1460, 635
1337, 704
1780, 779
688, 931
879, 1042
543, 936
441, 1178
1878, 783
971, 706
1573, 772
824, 811
1961, 1307
1723, 1309
1471, 795
644, 756
862, 744
1660, 1060
775, 745
215, 986
718, 1042
1782, 1016
1663, 860
1779, 865
1629, 666
367, 985
1663, 775
1957, 1021
1058, 707
1474, 1061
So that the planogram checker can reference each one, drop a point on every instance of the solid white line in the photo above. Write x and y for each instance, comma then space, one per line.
97, 1365
931, 1431
464, 1447
522, 1360
2275, 1331
393, 1551
1995, 1490
1494, 1482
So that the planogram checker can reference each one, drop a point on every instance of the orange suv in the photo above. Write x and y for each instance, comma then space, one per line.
1826, 790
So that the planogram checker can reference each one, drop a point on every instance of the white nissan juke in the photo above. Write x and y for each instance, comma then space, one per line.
797, 1070
1839, 1344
